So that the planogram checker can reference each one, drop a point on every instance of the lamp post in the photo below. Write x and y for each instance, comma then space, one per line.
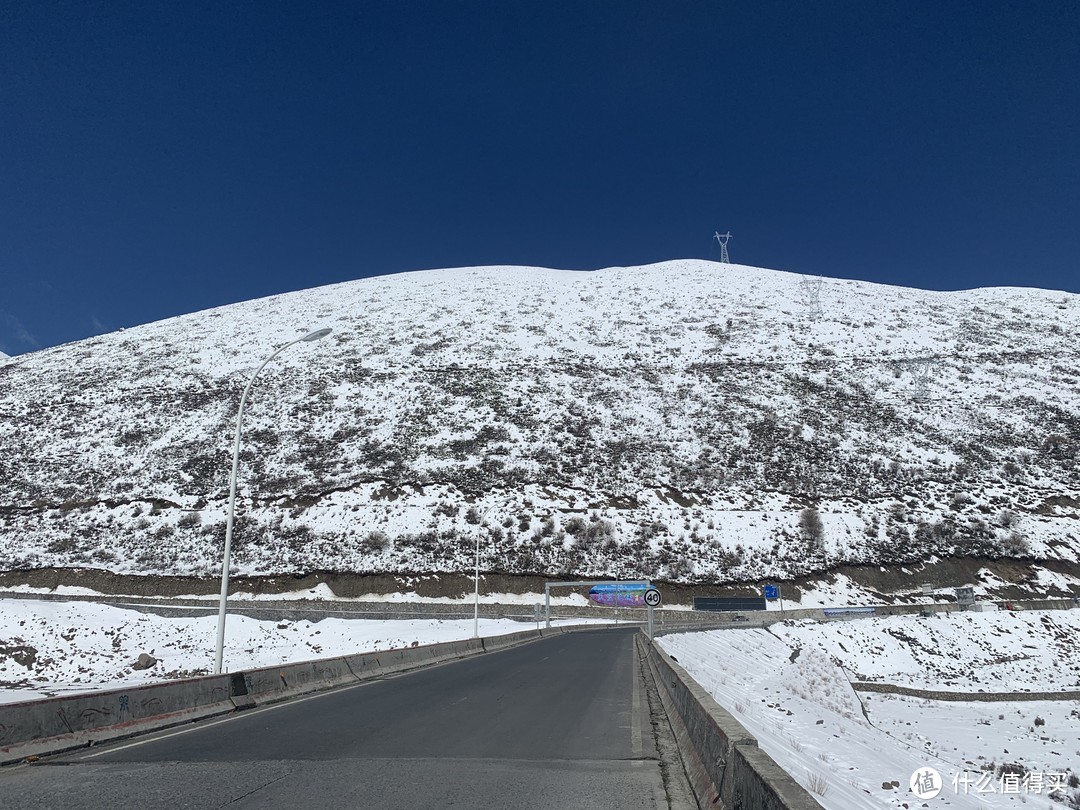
476, 578
220, 650
476, 591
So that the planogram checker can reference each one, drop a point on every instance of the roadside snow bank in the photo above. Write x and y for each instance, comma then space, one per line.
787, 685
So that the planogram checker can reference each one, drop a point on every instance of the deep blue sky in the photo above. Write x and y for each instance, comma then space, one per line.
162, 158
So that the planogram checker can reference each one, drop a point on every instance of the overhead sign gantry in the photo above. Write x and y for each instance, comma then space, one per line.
637, 593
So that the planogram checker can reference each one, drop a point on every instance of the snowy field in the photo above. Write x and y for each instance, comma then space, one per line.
790, 686
54, 648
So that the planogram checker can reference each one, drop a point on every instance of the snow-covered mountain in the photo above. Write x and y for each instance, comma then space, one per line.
687, 420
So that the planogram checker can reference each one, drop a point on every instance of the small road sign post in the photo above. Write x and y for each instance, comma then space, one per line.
652, 600
773, 592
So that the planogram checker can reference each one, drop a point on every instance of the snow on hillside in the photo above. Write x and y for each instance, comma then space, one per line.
670, 421
964, 651
789, 685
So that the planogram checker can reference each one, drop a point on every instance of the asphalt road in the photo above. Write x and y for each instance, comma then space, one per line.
559, 723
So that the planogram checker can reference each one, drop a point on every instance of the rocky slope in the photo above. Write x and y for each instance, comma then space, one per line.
688, 421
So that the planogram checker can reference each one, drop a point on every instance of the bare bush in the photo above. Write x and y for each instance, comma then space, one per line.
960, 500
574, 526
680, 568
189, 520
600, 530
1056, 445
1014, 545
811, 526
817, 783
374, 542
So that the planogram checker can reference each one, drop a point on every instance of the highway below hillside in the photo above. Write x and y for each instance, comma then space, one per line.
560, 723
317, 609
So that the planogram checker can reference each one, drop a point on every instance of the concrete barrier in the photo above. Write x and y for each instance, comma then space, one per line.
54, 725
510, 640
451, 650
376, 664
722, 759
38, 727
270, 684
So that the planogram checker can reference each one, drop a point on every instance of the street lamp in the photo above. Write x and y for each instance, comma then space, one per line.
476, 577
220, 650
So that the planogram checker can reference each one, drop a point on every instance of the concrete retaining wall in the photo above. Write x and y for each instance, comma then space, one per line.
315, 610
722, 759
749, 619
39, 727
962, 697
666, 617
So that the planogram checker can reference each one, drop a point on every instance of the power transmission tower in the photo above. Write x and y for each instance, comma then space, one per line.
723, 238
921, 370
811, 295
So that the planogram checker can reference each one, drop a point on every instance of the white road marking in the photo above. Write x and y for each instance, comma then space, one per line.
200, 725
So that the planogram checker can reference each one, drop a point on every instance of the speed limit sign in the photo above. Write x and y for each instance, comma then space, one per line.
652, 597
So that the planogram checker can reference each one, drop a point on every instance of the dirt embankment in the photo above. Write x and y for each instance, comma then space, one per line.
1009, 579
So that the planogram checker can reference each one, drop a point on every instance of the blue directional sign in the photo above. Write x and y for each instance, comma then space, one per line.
616, 594
772, 591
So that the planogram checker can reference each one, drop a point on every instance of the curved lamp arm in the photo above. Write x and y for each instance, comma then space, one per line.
220, 648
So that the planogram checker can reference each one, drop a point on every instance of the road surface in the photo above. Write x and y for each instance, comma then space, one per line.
560, 723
